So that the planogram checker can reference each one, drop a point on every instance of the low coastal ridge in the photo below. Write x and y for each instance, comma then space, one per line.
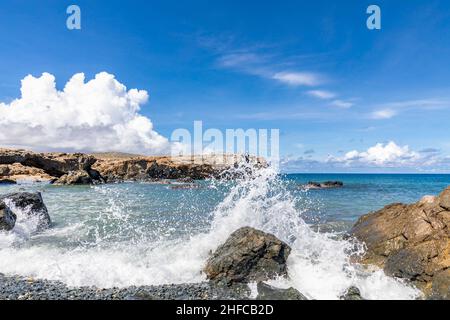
78, 168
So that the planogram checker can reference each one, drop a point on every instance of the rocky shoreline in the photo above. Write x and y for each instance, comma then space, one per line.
410, 242
18, 165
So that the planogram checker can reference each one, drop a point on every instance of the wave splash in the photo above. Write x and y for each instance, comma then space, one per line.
319, 265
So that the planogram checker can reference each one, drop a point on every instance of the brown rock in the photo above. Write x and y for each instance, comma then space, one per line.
248, 255
444, 199
74, 178
409, 241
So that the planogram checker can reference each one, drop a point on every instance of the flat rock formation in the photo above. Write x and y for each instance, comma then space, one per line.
70, 169
248, 255
411, 242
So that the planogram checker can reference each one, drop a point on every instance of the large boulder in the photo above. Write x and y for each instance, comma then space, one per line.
7, 217
248, 255
30, 204
410, 242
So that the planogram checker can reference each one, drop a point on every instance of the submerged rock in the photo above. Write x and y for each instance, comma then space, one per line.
7, 217
410, 242
351, 293
267, 292
30, 204
324, 185
248, 255
7, 181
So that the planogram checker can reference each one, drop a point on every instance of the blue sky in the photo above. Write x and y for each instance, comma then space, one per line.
310, 68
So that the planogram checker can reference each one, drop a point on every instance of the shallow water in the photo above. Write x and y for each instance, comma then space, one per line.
144, 234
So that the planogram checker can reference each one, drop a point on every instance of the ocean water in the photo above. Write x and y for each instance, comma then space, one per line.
144, 234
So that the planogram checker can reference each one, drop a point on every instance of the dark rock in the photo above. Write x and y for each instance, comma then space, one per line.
7, 181
324, 185
267, 292
351, 293
7, 217
30, 204
248, 255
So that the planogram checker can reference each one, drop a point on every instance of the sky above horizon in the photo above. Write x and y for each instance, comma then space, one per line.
345, 98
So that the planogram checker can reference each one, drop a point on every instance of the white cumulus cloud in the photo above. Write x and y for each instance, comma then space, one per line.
383, 154
97, 115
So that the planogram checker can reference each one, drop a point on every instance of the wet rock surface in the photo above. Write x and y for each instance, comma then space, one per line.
7, 217
268, 292
248, 255
30, 204
411, 242
351, 293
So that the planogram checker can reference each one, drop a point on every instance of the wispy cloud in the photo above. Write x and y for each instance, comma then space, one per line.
383, 114
298, 78
392, 109
322, 94
342, 104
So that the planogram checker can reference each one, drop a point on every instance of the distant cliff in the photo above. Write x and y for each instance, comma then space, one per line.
77, 168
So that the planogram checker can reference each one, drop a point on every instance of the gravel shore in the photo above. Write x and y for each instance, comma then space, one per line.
20, 288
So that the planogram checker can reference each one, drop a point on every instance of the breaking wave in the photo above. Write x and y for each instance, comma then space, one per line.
114, 247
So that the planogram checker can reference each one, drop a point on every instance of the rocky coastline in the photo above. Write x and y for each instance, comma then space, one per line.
407, 241
410, 242
18, 165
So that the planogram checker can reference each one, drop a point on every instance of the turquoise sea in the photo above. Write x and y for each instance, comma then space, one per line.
145, 233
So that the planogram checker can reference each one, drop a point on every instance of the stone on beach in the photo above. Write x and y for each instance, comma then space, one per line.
268, 292
248, 255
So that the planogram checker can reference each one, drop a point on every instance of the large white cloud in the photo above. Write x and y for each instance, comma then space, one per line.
98, 115
383, 155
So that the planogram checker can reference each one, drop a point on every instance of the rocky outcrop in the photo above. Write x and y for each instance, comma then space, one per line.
30, 204
74, 178
78, 168
248, 255
7, 217
267, 292
324, 185
54, 164
411, 242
